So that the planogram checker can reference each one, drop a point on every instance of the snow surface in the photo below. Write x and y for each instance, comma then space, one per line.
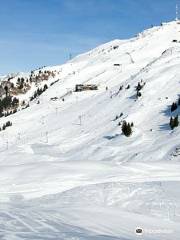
67, 172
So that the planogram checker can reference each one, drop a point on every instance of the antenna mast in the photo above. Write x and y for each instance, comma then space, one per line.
177, 12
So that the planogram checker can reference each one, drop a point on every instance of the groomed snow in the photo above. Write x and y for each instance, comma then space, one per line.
67, 172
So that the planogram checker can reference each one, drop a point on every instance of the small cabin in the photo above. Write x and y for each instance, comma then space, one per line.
54, 98
117, 65
83, 87
115, 47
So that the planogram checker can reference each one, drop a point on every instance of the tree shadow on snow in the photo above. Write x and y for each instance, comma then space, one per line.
112, 137
133, 97
165, 127
167, 111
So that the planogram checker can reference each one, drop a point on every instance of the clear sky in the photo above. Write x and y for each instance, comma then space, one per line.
34, 33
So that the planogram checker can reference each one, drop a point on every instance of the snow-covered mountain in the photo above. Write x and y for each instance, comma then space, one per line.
68, 172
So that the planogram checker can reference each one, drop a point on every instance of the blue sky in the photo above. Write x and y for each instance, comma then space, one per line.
34, 33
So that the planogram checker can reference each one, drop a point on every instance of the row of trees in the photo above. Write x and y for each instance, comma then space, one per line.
138, 88
127, 128
174, 121
8, 102
39, 92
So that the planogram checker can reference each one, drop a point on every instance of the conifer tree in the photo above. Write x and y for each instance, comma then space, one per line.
6, 90
45, 87
173, 107
176, 121
171, 123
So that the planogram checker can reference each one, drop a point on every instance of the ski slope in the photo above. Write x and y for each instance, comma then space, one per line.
67, 172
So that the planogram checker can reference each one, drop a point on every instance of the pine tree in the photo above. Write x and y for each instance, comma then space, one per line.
174, 122
138, 87
171, 123
124, 127
6, 90
45, 88
173, 107
139, 94
129, 130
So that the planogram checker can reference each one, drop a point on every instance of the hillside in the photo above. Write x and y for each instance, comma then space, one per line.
67, 171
